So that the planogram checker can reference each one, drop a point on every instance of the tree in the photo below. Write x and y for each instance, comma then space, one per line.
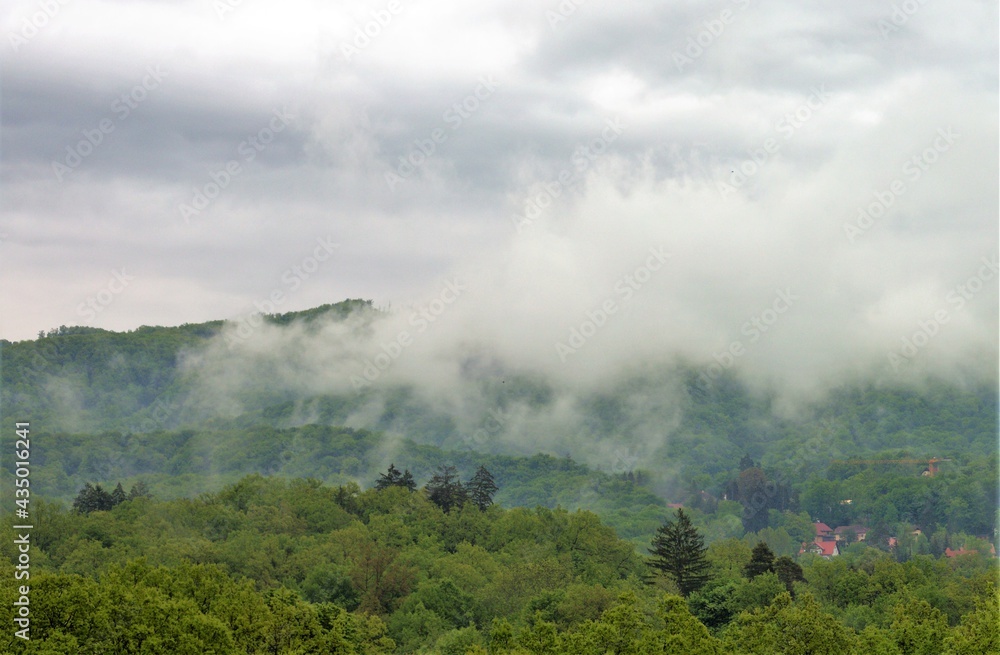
761, 561
788, 572
481, 488
979, 631
445, 490
84, 501
139, 490
752, 492
784, 628
118, 495
679, 553
92, 498
918, 628
393, 478
388, 479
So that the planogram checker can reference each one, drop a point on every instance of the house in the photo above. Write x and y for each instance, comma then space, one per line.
859, 532
825, 548
948, 552
823, 531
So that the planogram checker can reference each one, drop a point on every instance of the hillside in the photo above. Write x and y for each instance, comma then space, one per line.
149, 404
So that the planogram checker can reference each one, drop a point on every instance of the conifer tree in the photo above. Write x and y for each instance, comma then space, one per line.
481, 488
139, 490
393, 478
388, 479
445, 489
83, 503
788, 572
761, 561
407, 481
92, 498
118, 495
679, 553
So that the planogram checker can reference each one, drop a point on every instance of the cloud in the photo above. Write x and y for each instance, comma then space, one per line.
748, 164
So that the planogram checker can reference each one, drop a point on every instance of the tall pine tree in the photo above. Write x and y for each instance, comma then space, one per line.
481, 488
679, 553
445, 489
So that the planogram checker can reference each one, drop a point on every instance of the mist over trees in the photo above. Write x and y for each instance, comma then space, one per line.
655, 515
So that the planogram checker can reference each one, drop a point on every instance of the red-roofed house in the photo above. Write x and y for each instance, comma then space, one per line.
823, 531
948, 552
825, 548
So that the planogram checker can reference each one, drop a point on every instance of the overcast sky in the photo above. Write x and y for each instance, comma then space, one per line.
172, 162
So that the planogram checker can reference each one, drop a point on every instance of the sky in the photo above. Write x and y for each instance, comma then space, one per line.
799, 191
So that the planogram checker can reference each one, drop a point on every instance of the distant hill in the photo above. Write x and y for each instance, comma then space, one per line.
91, 381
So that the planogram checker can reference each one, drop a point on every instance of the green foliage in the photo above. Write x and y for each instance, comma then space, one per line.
274, 565
789, 572
761, 561
481, 488
445, 489
393, 478
260, 539
679, 553
787, 628
979, 631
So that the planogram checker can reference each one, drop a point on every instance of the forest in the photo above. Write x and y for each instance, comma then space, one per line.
267, 565
172, 518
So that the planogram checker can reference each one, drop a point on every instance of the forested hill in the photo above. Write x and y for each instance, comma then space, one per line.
85, 380
266, 528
